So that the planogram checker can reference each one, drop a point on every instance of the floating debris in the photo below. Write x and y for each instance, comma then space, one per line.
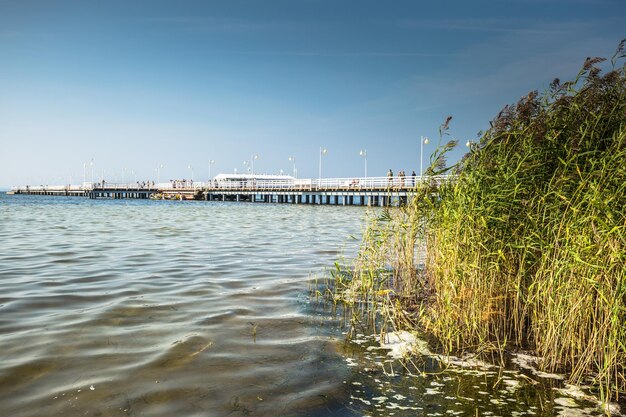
566, 402
531, 363
576, 392
459, 384
402, 344
351, 362
468, 361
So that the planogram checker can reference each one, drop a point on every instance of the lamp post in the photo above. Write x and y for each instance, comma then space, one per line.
423, 141
211, 162
158, 171
252, 162
323, 151
91, 165
293, 161
132, 171
84, 172
191, 168
363, 153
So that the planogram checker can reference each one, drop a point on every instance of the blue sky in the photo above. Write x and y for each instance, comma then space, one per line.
138, 84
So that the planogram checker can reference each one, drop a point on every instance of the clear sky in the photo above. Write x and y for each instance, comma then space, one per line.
136, 84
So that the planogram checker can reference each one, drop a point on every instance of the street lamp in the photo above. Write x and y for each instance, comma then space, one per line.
293, 160
158, 171
84, 172
468, 143
191, 168
211, 162
91, 165
323, 151
423, 141
132, 171
363, 153
252, 162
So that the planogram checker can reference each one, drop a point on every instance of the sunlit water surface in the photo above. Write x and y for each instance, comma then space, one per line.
154, 308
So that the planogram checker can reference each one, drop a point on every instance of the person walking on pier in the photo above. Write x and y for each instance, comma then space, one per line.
389, 177
413, 178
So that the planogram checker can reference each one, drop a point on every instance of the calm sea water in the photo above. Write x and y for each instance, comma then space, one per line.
154, 308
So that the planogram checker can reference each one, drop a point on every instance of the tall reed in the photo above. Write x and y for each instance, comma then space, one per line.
526, 247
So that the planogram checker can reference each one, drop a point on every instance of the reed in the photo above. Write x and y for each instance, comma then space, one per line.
526, 248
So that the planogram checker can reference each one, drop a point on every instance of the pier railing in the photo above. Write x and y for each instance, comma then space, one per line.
124, 186
251, 184
323, 184
57, 188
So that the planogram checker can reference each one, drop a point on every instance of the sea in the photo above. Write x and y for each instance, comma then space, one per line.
189, 308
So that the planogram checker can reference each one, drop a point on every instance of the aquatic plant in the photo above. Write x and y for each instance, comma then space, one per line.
525, 247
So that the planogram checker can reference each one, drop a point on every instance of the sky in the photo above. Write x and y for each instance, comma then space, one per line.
121, 88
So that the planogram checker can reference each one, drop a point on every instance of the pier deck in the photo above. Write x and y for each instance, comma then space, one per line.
371, 191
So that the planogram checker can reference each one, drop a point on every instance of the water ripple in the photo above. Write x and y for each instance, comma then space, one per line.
166, 308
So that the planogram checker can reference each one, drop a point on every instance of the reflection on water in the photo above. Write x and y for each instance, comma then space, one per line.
153, 308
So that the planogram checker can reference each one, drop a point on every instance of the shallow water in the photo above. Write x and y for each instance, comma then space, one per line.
165, 308
156, 308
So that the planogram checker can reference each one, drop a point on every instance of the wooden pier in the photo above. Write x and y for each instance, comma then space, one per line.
371, 191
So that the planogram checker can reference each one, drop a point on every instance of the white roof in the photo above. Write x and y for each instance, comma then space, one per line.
253, 176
